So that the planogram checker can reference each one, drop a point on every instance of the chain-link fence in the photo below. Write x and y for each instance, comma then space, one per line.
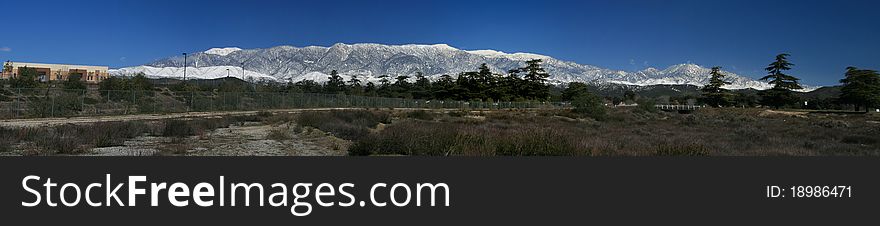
49, 102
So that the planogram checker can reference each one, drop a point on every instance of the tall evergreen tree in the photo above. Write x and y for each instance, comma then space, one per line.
422, 87
334, 84
354, 81
370, 89
444, 87
574, 90
783, 84
467, 87
860, 88
535, 77
384, 86
354, 86
713, 93
517, 85
307, 86
402, 87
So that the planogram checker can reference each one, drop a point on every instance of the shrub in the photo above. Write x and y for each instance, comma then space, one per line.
62, 105
860, 139
264, 114
485, 139
646, 105
178, 128
681, 150
279, 134
457, 114
589, 105
421, 115
350, 125
72, 139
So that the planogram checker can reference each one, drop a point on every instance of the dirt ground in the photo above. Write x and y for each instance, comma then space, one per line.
246, 139
33, 122
250, 139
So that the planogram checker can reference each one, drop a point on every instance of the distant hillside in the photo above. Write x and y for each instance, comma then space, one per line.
369, 61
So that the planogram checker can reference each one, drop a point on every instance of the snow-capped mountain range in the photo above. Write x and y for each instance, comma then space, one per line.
369, 61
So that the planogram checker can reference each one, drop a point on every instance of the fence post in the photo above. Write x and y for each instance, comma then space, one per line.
52, 111
82, 102
192, 95
17, 103
133, 100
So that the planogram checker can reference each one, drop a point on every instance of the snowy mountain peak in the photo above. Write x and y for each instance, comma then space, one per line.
222, 51
368, 61
514, 56
685, 68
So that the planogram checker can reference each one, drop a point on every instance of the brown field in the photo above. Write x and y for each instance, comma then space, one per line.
624, 132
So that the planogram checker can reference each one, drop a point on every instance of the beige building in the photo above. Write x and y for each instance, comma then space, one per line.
57, 72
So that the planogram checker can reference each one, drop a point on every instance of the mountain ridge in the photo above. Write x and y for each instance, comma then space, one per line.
370, 60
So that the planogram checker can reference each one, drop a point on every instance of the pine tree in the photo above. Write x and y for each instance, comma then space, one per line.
370, 89
505, 87
860, 88
444, 87
518, 86
384, 86
334, 84
354, 86
574, 90
713, 93
486, 83
402, 87
354, 81
422, 87
308, 86
467, 87
535, 78
783, 84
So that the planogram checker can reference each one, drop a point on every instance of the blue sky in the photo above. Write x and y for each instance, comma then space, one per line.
742, 36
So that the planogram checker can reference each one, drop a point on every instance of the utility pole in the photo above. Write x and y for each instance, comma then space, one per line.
184, 67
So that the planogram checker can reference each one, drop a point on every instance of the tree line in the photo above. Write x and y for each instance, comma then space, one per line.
519, 84
859, 87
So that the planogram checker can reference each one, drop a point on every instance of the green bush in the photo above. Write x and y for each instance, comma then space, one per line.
646, 105
589, 105
62, 105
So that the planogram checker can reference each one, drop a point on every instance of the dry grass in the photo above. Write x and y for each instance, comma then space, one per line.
350, 125
630, 132
79, 138
624, 132
280, 133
